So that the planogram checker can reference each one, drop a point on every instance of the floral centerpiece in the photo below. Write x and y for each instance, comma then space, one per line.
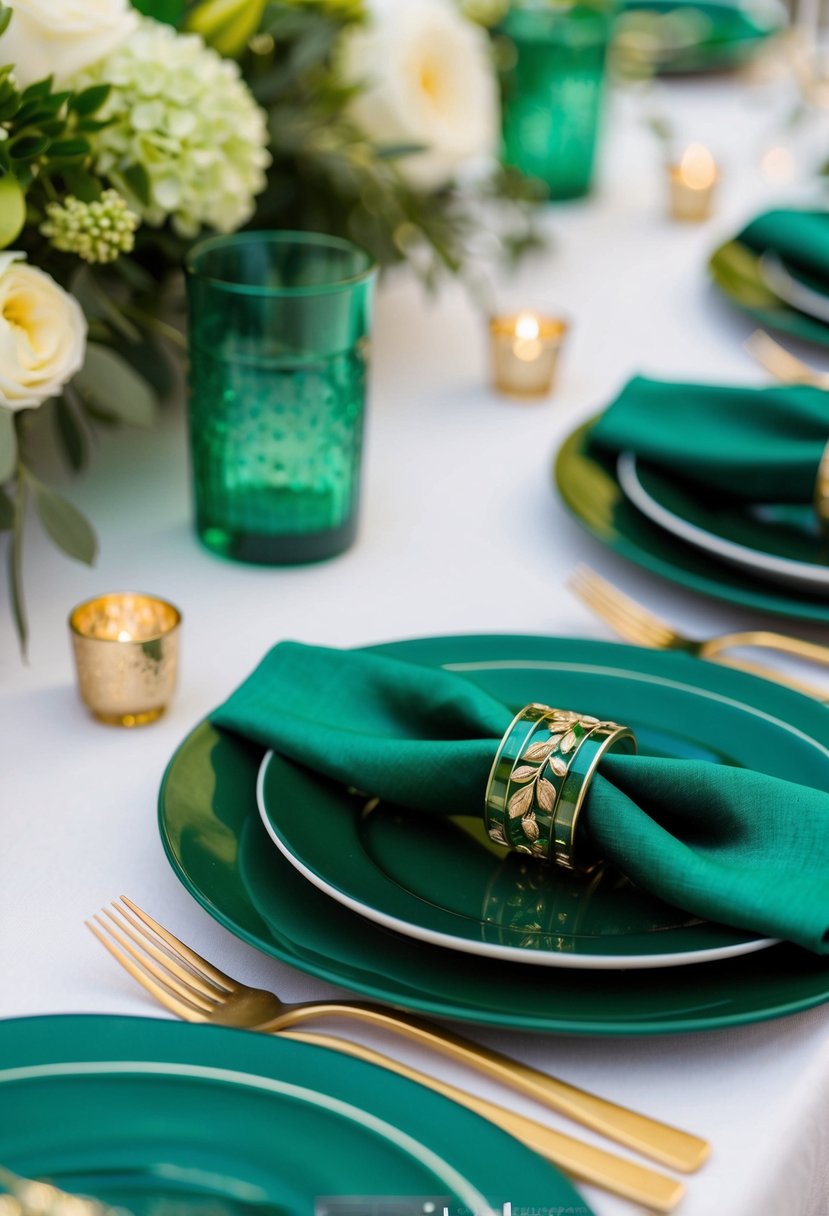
129, 129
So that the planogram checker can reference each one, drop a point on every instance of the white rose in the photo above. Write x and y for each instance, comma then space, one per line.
428, 81
42, 335
60, 37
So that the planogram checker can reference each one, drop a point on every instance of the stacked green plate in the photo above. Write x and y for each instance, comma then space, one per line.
678, 706
590, 488
166, 1119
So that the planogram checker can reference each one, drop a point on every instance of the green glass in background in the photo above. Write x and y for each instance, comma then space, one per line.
279, 326
552, 90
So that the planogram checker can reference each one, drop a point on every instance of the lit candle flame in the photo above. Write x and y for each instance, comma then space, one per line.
697, 167
527, 327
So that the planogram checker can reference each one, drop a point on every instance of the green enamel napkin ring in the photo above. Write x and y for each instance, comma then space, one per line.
540, 778
822, 491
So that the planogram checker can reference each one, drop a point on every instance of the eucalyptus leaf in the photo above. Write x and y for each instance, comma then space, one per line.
68, 529
72, 438
12, 213
6, 512
114, 387
8, 445
16, 567
95, 302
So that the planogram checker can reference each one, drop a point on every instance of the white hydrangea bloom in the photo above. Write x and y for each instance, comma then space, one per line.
185, 115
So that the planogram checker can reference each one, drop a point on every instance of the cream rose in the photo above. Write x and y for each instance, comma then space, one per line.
42, 335
60, 37
429, 81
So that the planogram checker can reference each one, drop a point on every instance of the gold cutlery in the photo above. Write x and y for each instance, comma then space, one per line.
781, 363
190, 987
582, 1161
642, 627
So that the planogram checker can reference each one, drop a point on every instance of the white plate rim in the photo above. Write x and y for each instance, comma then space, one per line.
515, 954
781, 569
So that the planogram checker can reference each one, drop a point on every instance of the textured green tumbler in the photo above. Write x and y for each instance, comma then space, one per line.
279, 328
552, 84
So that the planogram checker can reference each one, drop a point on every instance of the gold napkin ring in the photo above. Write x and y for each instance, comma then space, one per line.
539, 780
822, 490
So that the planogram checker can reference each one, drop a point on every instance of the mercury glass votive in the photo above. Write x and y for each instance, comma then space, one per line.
126, 648
524, 350
691, 185
279, 326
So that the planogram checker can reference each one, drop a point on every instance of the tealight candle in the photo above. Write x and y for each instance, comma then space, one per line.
525, 350
126, 655
692, 184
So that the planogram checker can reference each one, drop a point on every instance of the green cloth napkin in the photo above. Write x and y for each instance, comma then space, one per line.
723, 843
801, 238
751, 444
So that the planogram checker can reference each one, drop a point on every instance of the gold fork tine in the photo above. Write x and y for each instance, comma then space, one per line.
640, 625
133, 929
161, 974
199, 964
781, 363
182, 1009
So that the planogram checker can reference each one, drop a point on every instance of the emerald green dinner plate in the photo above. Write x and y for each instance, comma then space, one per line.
441, 880
737, 271
781, 543
590, 489
221, 852
164, 1118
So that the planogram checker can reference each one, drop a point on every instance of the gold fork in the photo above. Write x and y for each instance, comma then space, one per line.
781, 363
193, 989
642, 627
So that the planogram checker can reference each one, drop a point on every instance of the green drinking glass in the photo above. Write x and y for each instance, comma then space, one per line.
552, 90
279, 327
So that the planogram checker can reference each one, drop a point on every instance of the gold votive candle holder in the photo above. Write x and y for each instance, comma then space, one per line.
691, 185
126, 647
525, 349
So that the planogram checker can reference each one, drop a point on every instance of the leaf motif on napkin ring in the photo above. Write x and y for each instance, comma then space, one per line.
822, 491
539, 780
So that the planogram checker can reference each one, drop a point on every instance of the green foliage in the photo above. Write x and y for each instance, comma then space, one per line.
8, 445
114, 388
327, 176
169, 11
67, 528
45, 150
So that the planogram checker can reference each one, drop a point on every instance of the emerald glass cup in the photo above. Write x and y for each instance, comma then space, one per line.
279, 326
552, 90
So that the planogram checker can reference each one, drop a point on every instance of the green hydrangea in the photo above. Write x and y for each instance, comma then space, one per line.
96, 232
185, 120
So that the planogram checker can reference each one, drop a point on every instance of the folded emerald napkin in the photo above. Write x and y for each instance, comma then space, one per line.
723, 843
800, 238
751, 444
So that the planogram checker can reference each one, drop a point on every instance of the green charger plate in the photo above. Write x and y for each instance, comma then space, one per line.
165, 1118
781, 543
222, 854
590, 489
718, 35
735, 268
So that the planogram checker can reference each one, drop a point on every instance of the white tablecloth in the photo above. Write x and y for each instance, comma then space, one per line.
457, 486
